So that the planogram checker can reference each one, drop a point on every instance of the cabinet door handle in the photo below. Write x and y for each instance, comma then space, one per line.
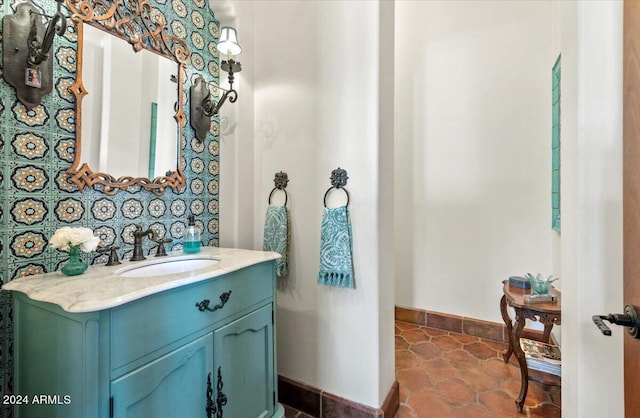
204, 304
221, 400
211, 407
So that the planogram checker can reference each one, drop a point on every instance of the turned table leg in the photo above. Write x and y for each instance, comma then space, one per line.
546, 336
508, 323
522, 361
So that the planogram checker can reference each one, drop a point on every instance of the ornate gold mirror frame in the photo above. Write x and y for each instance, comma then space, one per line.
144, 28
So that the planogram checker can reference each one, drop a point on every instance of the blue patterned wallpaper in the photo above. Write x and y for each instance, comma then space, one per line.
37, 146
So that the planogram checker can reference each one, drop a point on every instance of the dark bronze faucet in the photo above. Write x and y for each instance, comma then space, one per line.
138, 234
113, 254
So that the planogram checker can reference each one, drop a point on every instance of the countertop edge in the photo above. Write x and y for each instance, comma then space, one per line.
102, 280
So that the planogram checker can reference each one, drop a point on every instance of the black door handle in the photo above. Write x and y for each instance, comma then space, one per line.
628, 319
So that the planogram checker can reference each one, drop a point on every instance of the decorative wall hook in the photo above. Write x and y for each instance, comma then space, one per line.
26, 46
339, 179
280, 181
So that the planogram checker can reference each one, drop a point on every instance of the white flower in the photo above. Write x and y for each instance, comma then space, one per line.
67, 236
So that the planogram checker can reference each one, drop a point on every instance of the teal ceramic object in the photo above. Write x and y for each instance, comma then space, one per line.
540, 285
75, 265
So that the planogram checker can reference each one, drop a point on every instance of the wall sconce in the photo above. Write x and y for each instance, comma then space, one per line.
26, 45
202, 107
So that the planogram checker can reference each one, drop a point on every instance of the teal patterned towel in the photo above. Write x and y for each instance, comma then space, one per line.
276, 236
336, 266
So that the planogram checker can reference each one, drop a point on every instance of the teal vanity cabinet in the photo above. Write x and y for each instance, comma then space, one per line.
169, 354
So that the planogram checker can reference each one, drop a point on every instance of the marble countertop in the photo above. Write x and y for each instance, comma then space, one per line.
100, 287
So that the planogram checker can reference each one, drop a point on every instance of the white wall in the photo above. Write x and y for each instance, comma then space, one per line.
237, 156
316, 106
473, 138
386, 193
472, 172
589, 34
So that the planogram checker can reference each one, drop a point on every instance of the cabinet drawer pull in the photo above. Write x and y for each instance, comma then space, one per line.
204, 304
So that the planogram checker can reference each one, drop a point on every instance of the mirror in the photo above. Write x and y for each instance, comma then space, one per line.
113, 116
126, 139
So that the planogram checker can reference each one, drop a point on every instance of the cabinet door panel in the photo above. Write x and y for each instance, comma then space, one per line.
174, 385
243, 355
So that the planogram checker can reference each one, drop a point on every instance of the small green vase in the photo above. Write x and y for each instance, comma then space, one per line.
74, 266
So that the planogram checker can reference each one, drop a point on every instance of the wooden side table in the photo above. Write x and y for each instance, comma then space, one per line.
548, 314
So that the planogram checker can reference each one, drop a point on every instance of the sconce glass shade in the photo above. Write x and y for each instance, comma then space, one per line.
228, 43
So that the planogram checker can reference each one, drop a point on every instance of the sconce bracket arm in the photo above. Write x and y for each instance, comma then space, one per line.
39, 51
202, 107
20, 32
231, 95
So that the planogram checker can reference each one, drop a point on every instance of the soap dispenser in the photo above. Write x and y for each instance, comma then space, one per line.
191, 241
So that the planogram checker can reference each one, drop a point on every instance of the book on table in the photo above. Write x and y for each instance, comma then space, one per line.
542, 356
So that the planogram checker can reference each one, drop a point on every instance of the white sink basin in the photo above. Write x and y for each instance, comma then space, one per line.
173, 265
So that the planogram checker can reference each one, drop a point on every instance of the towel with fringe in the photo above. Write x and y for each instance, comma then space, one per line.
276, 236
336, 265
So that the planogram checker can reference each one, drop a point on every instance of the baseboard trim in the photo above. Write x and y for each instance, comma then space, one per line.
460, 324
320, 404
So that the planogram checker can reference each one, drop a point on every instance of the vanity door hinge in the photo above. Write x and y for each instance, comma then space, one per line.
274, 397
111, 407
272, 320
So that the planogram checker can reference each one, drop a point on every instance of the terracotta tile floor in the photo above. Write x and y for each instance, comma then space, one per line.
447, 375
444, 374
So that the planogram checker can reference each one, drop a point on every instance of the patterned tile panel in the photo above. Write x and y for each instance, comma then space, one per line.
29, 178
69, 210
36, 117
29, 211
37, 146
28, 244
30, 146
